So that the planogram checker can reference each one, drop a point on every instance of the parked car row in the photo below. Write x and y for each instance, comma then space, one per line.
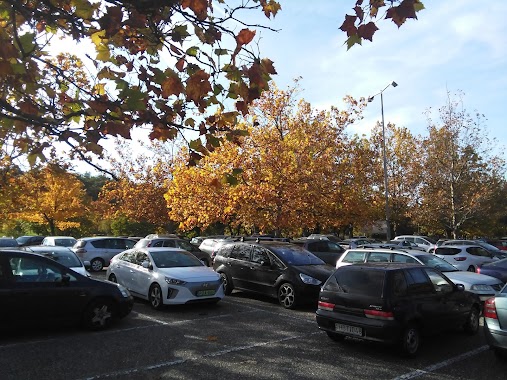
391, 293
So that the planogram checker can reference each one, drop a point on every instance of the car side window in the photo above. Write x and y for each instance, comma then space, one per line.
354, 257
259, 255
440, 284
397, 258
28, 269
399, 284
333, 247
128, 257
168, 243
101, 243
141, 257
379, 257
241, 252
418, 282
129, 244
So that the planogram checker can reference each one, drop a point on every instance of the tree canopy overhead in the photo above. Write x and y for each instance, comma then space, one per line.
157, 64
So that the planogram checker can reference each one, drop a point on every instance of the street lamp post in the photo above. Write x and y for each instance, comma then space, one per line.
386, 192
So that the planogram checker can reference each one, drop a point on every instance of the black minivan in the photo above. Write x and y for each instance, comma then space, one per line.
394, 303
278, 269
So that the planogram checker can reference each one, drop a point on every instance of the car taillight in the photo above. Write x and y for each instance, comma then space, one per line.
378, 314
478, 270
326, 306
460, 258
490, 309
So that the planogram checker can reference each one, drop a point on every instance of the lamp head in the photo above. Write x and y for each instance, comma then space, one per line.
394, 84
370, 99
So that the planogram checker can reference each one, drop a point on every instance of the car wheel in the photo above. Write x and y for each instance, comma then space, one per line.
471, 268
410, 340
334, 336
472, 323
155, 297
97, 265
99, 314
112, 278
287, 296
227, 283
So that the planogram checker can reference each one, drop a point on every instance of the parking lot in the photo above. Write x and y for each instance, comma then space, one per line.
243, 337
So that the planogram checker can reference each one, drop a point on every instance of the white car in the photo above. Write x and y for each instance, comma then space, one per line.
422, 241
63, 255
465, 257
482, 285
165, 276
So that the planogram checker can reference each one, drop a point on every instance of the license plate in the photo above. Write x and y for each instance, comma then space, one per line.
203, 293
350, 330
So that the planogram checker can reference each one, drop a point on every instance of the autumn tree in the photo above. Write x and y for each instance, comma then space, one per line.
50, 196
136, 197
462, 173
288, 171
156, 64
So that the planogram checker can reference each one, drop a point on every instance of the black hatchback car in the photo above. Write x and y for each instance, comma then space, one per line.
282, 270
37, 290
394, 303
327, 250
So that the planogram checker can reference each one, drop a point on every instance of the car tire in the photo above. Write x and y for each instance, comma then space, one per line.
335, 337
227, 283
471, 268
287, 295
96, 265
99, 314
471, 326
155, 297
112, 278
410, 340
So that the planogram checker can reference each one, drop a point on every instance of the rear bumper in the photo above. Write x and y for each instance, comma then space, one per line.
495, 336
372, 329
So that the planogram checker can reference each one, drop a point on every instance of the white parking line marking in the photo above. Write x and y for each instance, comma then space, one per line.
445, 363
171, 363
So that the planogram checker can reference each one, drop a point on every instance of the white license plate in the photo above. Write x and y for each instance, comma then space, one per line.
204, 293
350, 330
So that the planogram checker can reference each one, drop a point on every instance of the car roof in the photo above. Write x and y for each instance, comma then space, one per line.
380, 266
157, 249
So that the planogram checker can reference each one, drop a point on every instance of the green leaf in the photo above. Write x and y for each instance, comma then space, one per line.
192, 51
213, 140
135, 99
221, 51
196, 145
27, 43
352, 40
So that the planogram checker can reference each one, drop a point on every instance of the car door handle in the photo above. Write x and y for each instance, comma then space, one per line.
131, 271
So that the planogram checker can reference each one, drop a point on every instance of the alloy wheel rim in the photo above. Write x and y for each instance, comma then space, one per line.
412, 341
287, 295
97, 265
155, 296
101, 315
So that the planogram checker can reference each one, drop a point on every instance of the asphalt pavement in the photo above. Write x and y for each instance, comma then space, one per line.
242, 337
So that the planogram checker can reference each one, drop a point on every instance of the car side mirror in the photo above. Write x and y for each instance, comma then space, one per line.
146, 264
460, 287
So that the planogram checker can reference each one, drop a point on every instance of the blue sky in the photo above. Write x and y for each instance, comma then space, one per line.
453, 46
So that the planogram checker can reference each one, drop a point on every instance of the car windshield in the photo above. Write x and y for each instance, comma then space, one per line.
173, 259
8, 243
68, 259
437, 263
65, 242
296, 255
22, 239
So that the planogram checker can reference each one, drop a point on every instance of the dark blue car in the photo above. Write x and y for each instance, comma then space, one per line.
496, 269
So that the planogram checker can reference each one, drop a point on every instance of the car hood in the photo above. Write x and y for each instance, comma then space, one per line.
471, 278
320, 272
190, 273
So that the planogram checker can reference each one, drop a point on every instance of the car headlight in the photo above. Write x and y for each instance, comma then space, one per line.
124, 291
309, 279
174, 281
482, 287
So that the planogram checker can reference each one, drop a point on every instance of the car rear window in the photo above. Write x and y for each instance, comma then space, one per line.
448, 251
353, 280
296, 255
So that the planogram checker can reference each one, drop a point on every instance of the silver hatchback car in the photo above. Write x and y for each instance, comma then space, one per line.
100, 250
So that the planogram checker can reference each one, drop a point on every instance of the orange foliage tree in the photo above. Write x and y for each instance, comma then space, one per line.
52, 197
